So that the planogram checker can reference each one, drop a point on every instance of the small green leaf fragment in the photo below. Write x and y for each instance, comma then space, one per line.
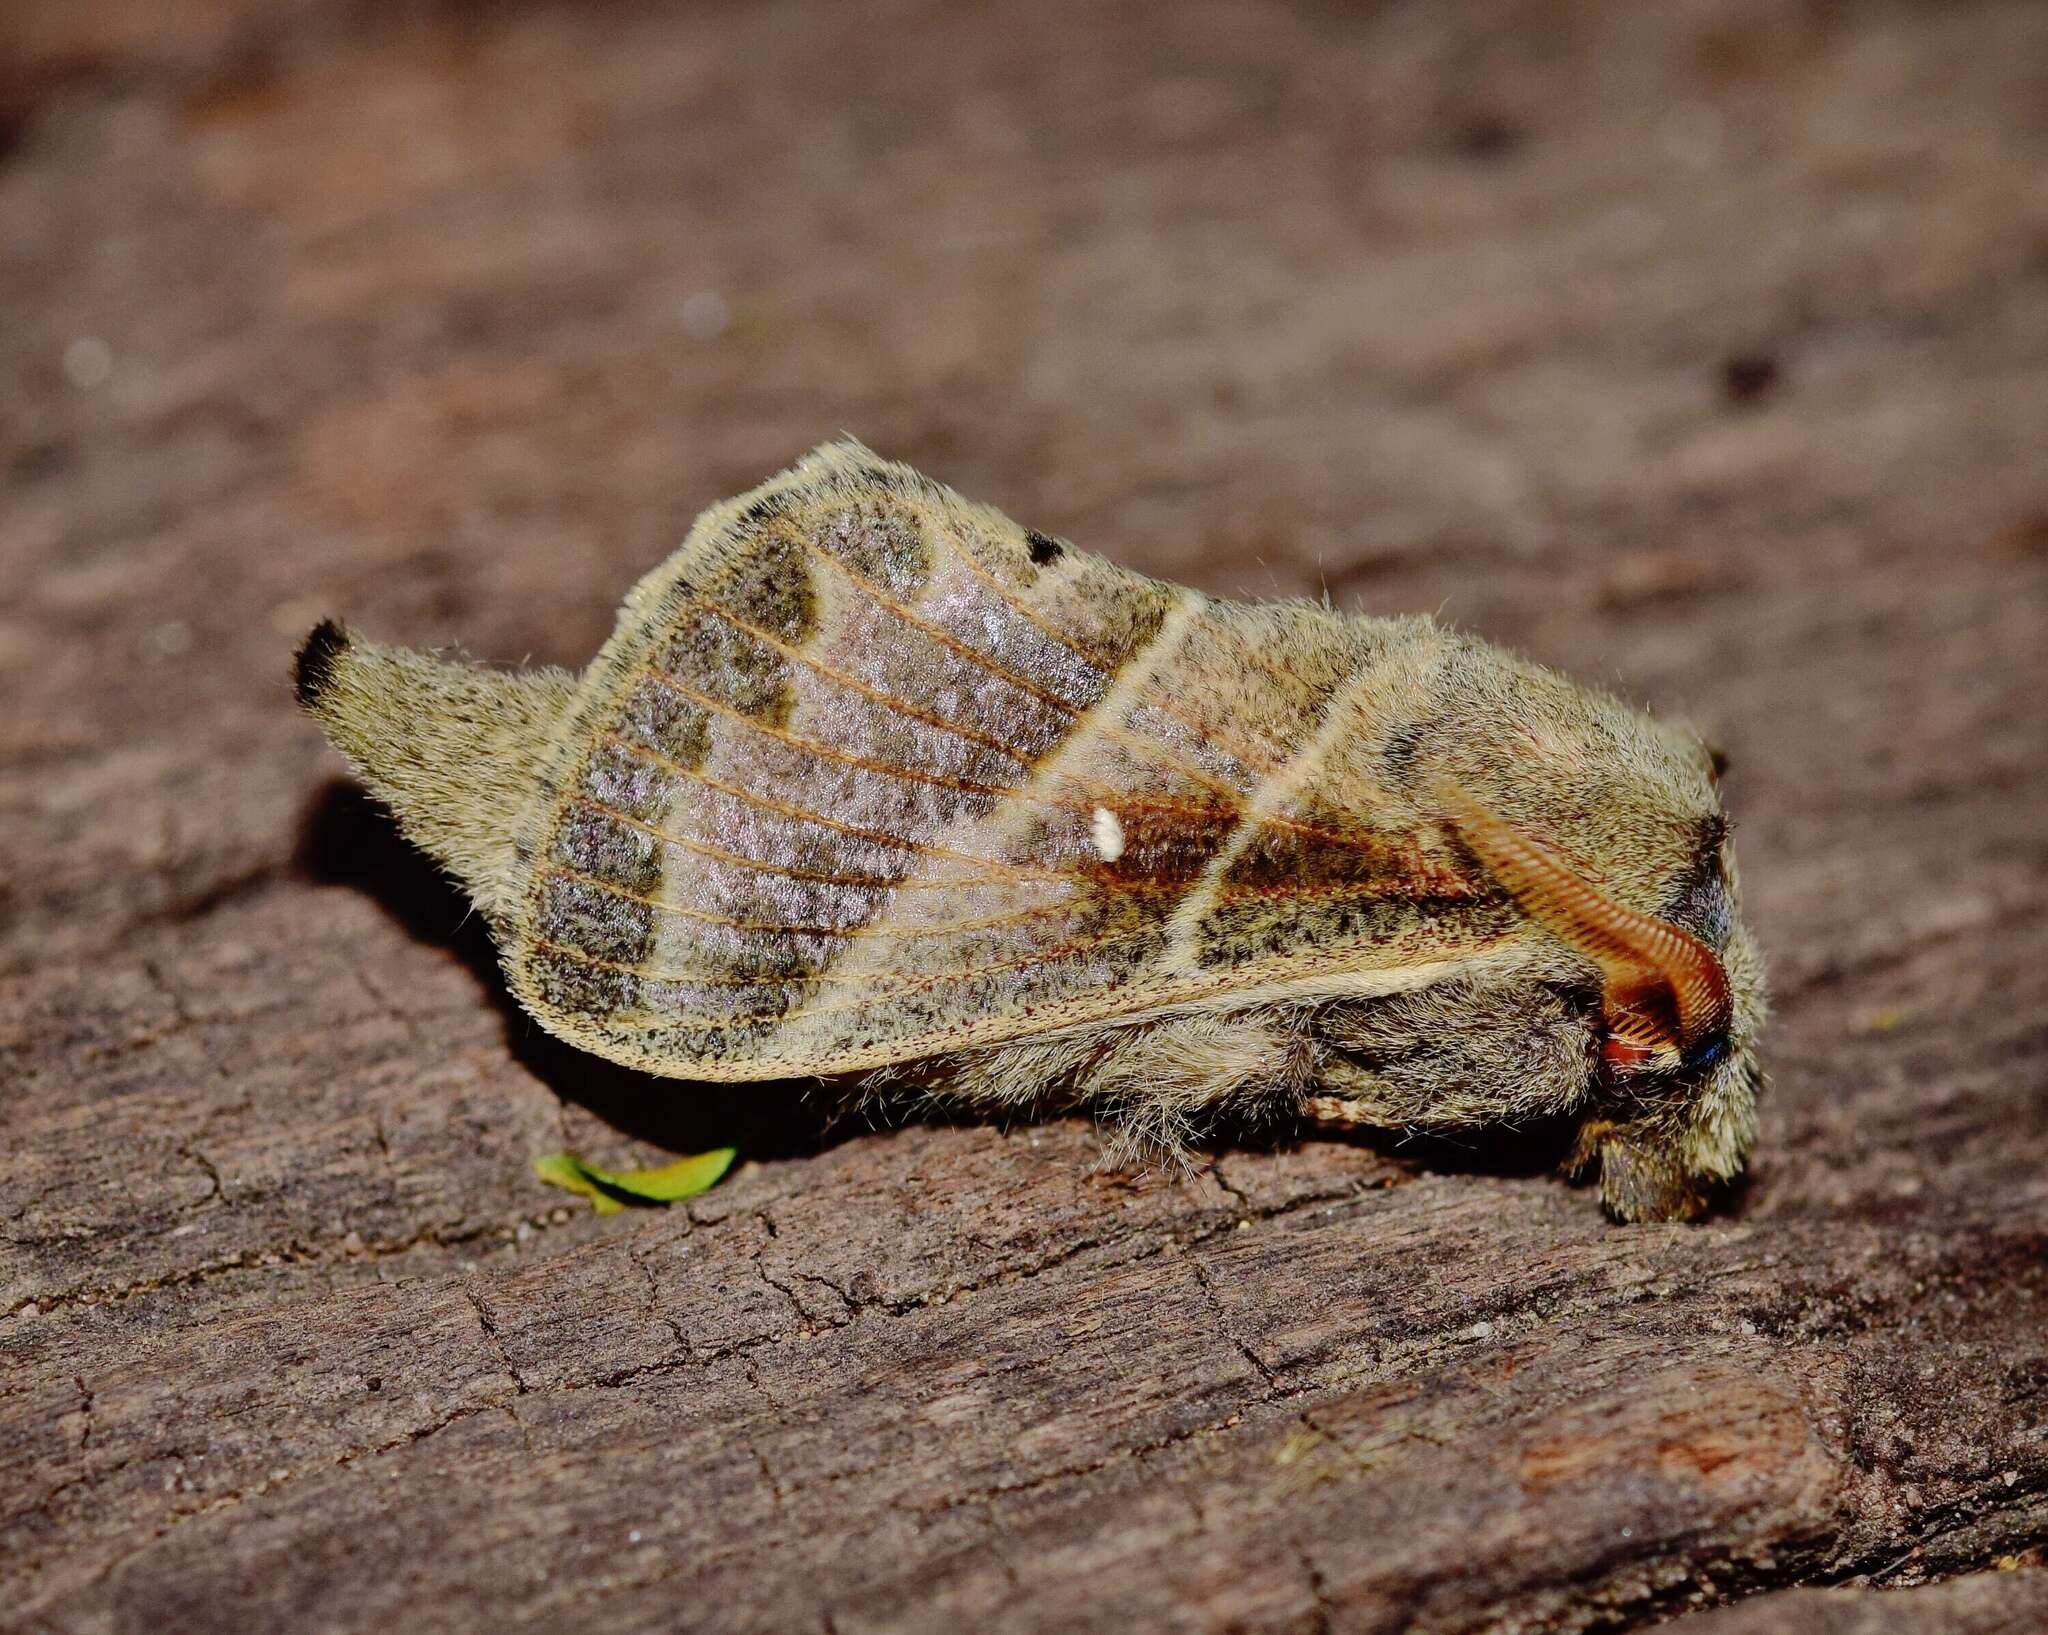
611, 1191
567, 1171
685, 1178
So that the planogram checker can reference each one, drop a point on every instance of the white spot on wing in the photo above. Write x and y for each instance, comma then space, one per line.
1107, 833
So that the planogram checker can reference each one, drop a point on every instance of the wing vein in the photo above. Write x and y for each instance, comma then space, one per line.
991, 922
911, 774
1164, 753
805, 815
1202, 896
1093, 875
1262, 760
994, 791
719, 854
882, 991
852, 683
938, 633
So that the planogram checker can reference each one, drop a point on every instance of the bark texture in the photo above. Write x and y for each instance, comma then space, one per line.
1701, 348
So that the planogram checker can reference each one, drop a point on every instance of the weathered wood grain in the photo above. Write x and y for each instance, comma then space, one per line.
1702, 348
2000, 1603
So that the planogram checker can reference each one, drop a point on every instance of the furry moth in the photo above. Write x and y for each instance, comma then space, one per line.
869, 778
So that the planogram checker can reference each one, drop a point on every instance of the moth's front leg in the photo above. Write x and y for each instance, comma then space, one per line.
1463, 1055
1664, 1151
1644, 1172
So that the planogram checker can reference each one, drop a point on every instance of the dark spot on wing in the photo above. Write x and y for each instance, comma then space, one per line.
586, 990
627, 783
578, 914
719, 659
770, 586
1044, 549
667, 723
597, 844
879, 545
1399, 749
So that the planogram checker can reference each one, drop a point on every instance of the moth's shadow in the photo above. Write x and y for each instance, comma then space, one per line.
1537, 1148
345, 838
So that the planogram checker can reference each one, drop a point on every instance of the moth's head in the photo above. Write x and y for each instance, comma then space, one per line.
1681, 996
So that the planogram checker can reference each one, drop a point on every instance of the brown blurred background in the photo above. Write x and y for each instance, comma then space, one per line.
1616, 332
1698, 347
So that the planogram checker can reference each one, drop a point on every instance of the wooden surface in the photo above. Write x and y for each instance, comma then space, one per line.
1700, 348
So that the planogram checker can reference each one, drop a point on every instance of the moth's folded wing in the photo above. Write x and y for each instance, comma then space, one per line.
869, 773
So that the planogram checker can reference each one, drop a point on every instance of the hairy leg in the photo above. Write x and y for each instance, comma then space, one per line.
1158, 1084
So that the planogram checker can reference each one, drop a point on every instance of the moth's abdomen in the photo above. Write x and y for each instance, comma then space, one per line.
830, 796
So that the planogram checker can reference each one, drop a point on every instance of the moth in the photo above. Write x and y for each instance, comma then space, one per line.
869, 779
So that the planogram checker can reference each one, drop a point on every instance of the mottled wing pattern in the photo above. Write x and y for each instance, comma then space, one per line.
828, 798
